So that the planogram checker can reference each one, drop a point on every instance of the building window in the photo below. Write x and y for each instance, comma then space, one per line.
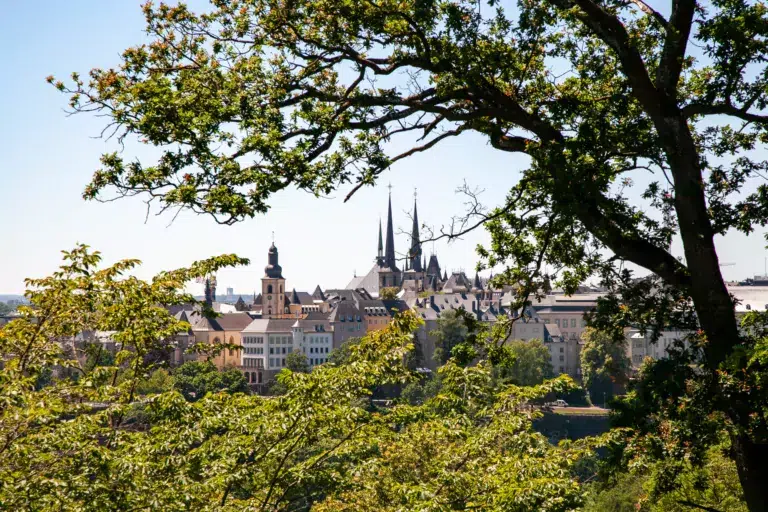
562, 370
557, 322
269, 288
565, 322
562, 358
562, 350
231, 352
573, 322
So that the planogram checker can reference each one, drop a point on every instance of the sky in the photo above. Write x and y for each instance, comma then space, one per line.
47, 158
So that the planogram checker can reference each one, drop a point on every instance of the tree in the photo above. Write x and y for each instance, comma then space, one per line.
604, 364
597, 97
451, 331
317, 446
195, 379
297, 362
342, 354
388, 293
531, 364
5, 308
159, 381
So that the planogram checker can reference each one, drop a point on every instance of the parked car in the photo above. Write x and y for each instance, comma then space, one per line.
560, 403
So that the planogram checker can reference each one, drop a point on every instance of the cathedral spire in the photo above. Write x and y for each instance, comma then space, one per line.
415, 252
389, 255
380, 253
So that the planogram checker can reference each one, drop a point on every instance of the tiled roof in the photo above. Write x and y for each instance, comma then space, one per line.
234, 321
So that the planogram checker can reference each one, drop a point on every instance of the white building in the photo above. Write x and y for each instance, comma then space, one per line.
268, 341
640, 346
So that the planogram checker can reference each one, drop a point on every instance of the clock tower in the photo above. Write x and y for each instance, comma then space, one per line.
272, 287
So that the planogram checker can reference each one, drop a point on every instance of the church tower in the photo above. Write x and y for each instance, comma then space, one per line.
272, 287
389, 274
415, 252
389, 255
380, 253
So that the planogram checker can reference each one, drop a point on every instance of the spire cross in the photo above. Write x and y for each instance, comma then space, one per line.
415, 193
390, 188
273, 237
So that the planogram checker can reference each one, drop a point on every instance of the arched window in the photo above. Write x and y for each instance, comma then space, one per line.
281, 288
269, 288
269, 311
216, 340
247, 377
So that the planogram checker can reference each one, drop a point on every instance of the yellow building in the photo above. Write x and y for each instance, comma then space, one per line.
225, 329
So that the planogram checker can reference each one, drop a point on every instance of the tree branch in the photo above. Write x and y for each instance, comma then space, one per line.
675, 43
695, 109
647, 9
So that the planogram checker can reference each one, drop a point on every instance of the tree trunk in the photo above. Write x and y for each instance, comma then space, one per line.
712, 301
752, 464
713, 304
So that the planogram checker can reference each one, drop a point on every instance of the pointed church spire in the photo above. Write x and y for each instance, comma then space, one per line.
424, 264
389, 255
415, 252
476, 285
380, 253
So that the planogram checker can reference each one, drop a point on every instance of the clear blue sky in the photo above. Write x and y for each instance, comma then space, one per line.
46, 158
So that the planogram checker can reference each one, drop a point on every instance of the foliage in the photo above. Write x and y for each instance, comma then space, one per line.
297, 362
712, 486
195, 379
451, 331
419, 391
531, 364
342, 354
318, 445
159, 381
97, 355
636, 128
604, 364
6, 308
388, 293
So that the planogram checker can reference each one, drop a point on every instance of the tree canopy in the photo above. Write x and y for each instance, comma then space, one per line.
600, 98
530, 365
5, 308
94, 444
451, 331
195, 379
605, 366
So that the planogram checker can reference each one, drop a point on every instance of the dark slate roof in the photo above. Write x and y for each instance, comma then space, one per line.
318, 294
234, 321
395, 304
457, 281
206, 324
258, 299
317, 315
303, 298
343, 309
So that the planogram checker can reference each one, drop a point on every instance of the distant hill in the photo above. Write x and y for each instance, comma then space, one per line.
6, 298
